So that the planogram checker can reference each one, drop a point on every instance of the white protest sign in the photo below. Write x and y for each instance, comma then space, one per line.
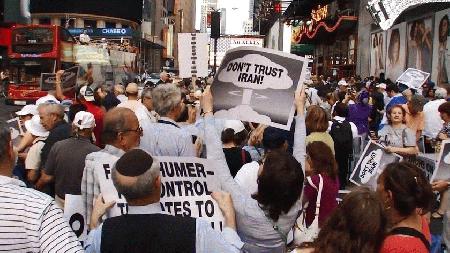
442, 171
370, 165
258, 85
413, 78
186, 185
16, 130
425, 162
73, 213
108, 189
193, 54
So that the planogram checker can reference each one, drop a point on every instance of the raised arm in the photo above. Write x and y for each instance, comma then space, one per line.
300, 128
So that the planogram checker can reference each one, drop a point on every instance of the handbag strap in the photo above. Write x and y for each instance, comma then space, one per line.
411, 232
319, 192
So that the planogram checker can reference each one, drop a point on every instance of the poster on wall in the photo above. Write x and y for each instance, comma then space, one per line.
396, 51
440, 72
377, 53
258, 85
420, 44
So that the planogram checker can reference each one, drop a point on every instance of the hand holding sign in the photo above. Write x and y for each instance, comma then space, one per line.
100, 208
225, 203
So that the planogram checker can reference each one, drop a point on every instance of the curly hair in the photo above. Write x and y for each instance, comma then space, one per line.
357, 225
389, 111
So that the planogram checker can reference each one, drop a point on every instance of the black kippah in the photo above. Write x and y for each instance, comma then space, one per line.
134, 163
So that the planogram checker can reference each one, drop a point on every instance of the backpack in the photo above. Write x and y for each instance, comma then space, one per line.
341, 132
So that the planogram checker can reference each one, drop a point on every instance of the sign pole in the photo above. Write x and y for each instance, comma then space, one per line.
215, 55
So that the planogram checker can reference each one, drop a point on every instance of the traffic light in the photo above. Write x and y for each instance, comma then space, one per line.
277, 7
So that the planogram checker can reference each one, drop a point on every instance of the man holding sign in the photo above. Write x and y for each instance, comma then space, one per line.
146, 229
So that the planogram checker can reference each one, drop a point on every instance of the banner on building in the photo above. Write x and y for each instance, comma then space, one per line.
186, 186
442, 171
258, 85
441, 43
370, 165
426, 164
68, 79
377, 53
193, 54
74, 214
413, 78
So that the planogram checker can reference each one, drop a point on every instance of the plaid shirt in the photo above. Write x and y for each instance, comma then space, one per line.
90, 185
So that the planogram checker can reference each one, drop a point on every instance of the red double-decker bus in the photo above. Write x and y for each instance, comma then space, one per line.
36, 49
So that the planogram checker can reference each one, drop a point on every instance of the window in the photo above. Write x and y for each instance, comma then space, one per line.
45, 21
110, 25
90, 23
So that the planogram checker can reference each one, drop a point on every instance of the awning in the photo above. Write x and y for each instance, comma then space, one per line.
323, 31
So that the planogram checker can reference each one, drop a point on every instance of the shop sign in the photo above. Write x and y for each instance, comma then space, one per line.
320, 13
103, 32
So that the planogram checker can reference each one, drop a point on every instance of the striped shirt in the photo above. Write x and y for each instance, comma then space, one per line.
31, 222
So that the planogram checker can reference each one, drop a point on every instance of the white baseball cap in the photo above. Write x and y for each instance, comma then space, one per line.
35, 127
381, 85
48, 99
236, 125
84, 120
343, 83
87, 93
28, 110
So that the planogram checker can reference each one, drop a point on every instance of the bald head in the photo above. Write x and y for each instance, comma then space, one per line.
116, 120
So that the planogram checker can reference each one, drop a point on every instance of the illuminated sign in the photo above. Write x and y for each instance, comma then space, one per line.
320, 13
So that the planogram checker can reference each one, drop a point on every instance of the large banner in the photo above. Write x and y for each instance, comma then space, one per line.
396, 51
420, 44
370, 165
377, 53
68, 79
186, 186
193, 54
442, 170
441, 71
413, 78
258, 85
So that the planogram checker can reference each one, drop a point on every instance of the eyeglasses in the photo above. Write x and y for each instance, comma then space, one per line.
137, 130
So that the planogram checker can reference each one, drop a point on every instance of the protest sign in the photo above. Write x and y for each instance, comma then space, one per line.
186, 185
16, 130
73, 213
442, 171
413, 78
193, 54
426, 163
370, 165
108, 189
68, 79
258, 85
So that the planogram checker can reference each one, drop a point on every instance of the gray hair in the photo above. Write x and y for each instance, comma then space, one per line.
146, 93
143, 186
5, 138
440, 93
165, 98
56, 109
417, 102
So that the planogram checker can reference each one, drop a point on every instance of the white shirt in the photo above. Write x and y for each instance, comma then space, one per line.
432, 118
340, 120
31, 222
33, 160
247, 177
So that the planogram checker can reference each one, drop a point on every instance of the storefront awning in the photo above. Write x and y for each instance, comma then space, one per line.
324, 30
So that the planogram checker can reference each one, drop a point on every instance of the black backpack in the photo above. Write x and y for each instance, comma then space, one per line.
342, 137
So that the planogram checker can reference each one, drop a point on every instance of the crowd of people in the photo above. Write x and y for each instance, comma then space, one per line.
279, 189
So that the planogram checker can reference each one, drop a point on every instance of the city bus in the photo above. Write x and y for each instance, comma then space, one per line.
36, 49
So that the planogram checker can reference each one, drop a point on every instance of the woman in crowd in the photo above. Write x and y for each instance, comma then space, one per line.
317, 125
357, 225
233, 137
414, 118
265, 217
397, 137
406, 195
320, 161
359, 113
